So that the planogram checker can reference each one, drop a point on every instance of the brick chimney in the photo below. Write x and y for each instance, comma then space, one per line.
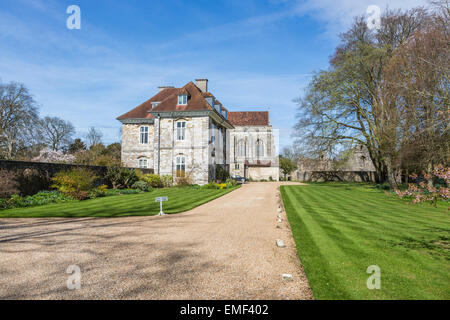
202, 84
164, 87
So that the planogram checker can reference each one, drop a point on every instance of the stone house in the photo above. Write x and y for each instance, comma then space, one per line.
187, 132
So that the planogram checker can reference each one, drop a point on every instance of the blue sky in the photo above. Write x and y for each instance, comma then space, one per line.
257, 54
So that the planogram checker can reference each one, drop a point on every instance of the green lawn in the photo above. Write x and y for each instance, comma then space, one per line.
341, 229
143, 204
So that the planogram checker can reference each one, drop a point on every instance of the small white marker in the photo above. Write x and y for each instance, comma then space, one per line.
280, 243
287, 277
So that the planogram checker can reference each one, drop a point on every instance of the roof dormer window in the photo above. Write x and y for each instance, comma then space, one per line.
182, 99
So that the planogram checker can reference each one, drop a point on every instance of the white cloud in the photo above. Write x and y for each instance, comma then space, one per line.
337, 16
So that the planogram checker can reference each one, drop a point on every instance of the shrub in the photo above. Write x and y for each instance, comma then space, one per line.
167, 181
81, 195
231, 182
98, 192
9, 185
75, 182
211, 185
221, 173
270, 178
32, 181
139, 174
121, 178
39, 199
140, 185
184, 181
153, 180
426, 192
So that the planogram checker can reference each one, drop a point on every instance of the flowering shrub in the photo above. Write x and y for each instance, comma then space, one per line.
76, 182
153, 180
220, 186
49, 155
424, 192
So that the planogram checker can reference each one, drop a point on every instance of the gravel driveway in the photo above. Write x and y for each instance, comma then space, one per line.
225, 249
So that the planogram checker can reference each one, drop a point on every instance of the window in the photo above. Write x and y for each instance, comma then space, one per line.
213, 133
181, 130
182, 99
241, 149
181, 167
143, 163
236, 166
259, 148
220, 136
144, 135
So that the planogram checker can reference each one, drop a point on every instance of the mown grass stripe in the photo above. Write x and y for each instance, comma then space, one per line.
180, 199
399, 238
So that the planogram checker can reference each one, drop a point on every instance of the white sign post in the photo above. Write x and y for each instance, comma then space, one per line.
161, 200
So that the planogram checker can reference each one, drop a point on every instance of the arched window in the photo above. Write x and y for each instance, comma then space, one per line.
259, 148
241, 148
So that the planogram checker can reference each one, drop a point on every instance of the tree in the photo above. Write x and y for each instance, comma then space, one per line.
18, 117
286, 166
50, 155
353, 102
77, 145
56, 133
100, 155
93, 137
290, 153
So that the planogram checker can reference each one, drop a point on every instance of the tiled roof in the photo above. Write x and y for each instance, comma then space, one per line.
196, 101
249, 118
168, 101
141, 111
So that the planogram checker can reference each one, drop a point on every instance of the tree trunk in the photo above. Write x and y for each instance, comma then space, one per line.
390, 173
430, 172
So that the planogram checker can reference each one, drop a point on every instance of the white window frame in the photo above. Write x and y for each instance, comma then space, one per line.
143, 135
182, 99
236, 166
180, 166
143, 163
181, 130
213, 133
